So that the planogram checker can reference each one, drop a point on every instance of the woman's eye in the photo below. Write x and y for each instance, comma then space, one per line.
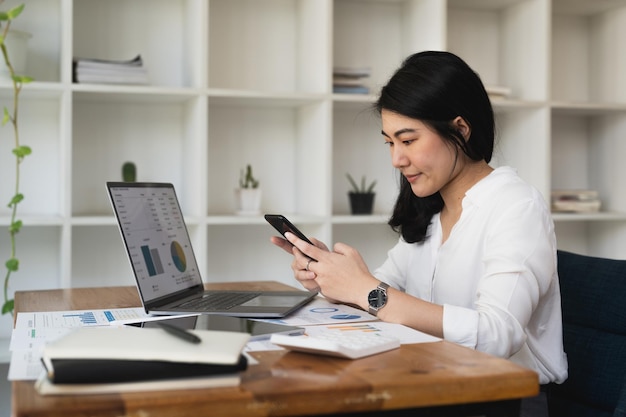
389, 143
408, 142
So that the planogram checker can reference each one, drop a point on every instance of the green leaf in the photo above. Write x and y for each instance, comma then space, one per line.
6, 116
4, 16
12, 264
8, 306
15, 12
16, 199
22, 79
15, 226
22, 151
355, 187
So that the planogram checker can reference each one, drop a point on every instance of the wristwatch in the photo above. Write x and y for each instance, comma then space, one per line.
377, 298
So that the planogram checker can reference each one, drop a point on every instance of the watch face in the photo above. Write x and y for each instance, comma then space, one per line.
377, 298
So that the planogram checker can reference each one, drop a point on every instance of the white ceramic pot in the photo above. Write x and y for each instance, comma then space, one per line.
248, 201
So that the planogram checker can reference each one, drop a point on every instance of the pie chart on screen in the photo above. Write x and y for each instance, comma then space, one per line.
178, 256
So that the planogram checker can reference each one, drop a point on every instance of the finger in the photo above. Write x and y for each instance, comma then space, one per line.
305, 278
282, 243
319, 244
307, 249
301, 261
310, 285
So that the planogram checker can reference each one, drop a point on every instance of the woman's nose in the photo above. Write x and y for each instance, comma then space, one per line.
398, 158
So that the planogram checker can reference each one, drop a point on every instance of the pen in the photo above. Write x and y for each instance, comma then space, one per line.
179, 332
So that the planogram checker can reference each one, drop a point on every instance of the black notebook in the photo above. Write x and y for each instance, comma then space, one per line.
130, 354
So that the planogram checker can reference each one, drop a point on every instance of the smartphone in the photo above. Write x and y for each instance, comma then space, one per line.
283, 225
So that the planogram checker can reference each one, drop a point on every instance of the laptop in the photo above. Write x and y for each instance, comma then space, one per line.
166, 272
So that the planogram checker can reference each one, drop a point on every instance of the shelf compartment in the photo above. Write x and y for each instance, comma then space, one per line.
359, 149
269, 45
380, 34
587, 154
586, 65
40, 172
44, 20
157, 137
163, 32
494, 39
294, 174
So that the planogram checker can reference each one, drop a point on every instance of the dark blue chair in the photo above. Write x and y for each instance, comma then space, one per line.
593, 297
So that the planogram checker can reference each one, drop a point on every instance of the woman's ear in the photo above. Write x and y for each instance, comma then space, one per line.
462, 127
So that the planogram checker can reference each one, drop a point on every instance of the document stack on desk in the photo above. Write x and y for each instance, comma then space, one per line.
94, 360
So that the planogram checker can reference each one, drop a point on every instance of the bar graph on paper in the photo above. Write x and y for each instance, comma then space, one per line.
87, 318
355, 327
77, 318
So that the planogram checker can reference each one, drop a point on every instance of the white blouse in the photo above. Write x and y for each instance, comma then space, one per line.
495, 275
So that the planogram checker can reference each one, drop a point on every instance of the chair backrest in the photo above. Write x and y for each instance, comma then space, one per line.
593, 297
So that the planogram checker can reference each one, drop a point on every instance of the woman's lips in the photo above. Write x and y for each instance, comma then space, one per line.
411, 178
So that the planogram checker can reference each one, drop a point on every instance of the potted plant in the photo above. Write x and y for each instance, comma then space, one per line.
129, 172
19, 151
248, 195
361, 197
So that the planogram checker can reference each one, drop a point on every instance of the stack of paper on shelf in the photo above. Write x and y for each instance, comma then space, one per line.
350, 80
95, 360
99, 71
575, 201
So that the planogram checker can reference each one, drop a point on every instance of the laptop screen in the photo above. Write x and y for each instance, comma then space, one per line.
156, 238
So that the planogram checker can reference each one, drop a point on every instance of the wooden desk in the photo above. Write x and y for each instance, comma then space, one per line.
441, 378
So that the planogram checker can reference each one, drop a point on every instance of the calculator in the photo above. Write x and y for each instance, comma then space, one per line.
343, 344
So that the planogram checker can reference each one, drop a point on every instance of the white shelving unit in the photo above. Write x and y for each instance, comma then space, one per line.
250, 81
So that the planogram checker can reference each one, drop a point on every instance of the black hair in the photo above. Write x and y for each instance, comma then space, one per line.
436, 87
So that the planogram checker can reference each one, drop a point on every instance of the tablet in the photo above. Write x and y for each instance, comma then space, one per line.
259, 330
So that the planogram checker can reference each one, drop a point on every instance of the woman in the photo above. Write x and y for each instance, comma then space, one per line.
476, 260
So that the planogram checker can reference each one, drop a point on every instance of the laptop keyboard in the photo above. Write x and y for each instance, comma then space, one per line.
219, 301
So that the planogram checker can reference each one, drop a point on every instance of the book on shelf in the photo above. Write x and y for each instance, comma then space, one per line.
351, 89
350, 80
347, 81
113, 359
352, 72
100, 71
575, 201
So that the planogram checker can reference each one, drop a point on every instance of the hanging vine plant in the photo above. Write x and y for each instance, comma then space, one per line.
19, 151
